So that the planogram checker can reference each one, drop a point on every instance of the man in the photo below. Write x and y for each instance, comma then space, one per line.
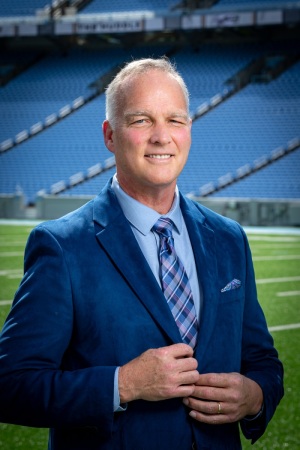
91, 348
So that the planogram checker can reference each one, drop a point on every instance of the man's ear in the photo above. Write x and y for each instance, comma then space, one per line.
108, 135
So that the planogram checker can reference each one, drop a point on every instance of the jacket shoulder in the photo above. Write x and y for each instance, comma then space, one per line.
80, 218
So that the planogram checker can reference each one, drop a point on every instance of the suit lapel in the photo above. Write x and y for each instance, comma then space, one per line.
204, 246
117, 239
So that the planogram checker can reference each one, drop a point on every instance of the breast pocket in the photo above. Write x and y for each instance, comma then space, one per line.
231, 296
232, 291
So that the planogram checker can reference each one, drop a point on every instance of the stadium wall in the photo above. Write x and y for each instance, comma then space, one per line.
248, 212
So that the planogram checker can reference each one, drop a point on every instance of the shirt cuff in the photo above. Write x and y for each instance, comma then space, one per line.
117, 406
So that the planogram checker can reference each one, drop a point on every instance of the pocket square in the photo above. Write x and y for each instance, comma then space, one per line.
234, 284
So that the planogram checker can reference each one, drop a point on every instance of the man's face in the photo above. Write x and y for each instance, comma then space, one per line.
152, 138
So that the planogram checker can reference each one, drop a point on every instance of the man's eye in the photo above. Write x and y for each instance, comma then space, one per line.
138, 121
177, 121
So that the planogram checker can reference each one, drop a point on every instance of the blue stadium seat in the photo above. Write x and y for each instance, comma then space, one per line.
20, 7
251, 3
250, 124
110, 6
46, 87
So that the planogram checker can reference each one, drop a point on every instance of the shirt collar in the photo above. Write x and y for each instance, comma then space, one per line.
141, 216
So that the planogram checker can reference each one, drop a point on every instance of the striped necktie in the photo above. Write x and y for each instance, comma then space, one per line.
175, 283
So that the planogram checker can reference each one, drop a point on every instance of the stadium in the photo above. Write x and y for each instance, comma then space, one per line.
241, 63
240, 60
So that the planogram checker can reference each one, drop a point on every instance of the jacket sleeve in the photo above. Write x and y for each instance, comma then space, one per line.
36, 388
259, 357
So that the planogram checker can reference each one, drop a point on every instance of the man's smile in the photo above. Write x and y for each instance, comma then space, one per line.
159, 156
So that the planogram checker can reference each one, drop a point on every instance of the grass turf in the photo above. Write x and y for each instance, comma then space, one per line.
277, 266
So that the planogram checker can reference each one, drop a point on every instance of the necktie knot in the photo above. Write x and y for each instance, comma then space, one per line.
164, 227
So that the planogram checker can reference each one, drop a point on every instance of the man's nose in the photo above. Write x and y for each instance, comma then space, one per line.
160, 135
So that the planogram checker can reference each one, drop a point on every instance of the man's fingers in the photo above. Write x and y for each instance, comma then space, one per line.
186, 365
180, 358
213, 379
221, 398
206, 407
158, 374
180, 350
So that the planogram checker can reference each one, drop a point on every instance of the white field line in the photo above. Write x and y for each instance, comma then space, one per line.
292, 231
275, 258
270, 241
277, 280
12, 244
274, 238
276, 245
11, 273
288, 294
291, 326
9, 254
6, 272
5, 302
15, 276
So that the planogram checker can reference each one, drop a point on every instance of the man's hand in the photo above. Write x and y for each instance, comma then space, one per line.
224, 397
159, 374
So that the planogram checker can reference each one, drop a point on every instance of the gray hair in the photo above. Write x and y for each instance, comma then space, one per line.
138, 67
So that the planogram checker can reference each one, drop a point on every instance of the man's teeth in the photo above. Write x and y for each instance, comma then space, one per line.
160, 156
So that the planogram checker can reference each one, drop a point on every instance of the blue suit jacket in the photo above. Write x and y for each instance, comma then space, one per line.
89, 302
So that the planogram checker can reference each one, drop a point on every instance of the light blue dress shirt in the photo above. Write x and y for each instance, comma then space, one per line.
142, 218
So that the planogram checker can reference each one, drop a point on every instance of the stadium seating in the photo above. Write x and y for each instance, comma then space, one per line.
29, 7
252, 3
20, 7
253, 122
54, 82
73, 144
108, 6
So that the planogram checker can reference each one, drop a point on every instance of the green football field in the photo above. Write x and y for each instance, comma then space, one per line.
277, 266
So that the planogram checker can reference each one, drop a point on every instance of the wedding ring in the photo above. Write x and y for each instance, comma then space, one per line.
219, 408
